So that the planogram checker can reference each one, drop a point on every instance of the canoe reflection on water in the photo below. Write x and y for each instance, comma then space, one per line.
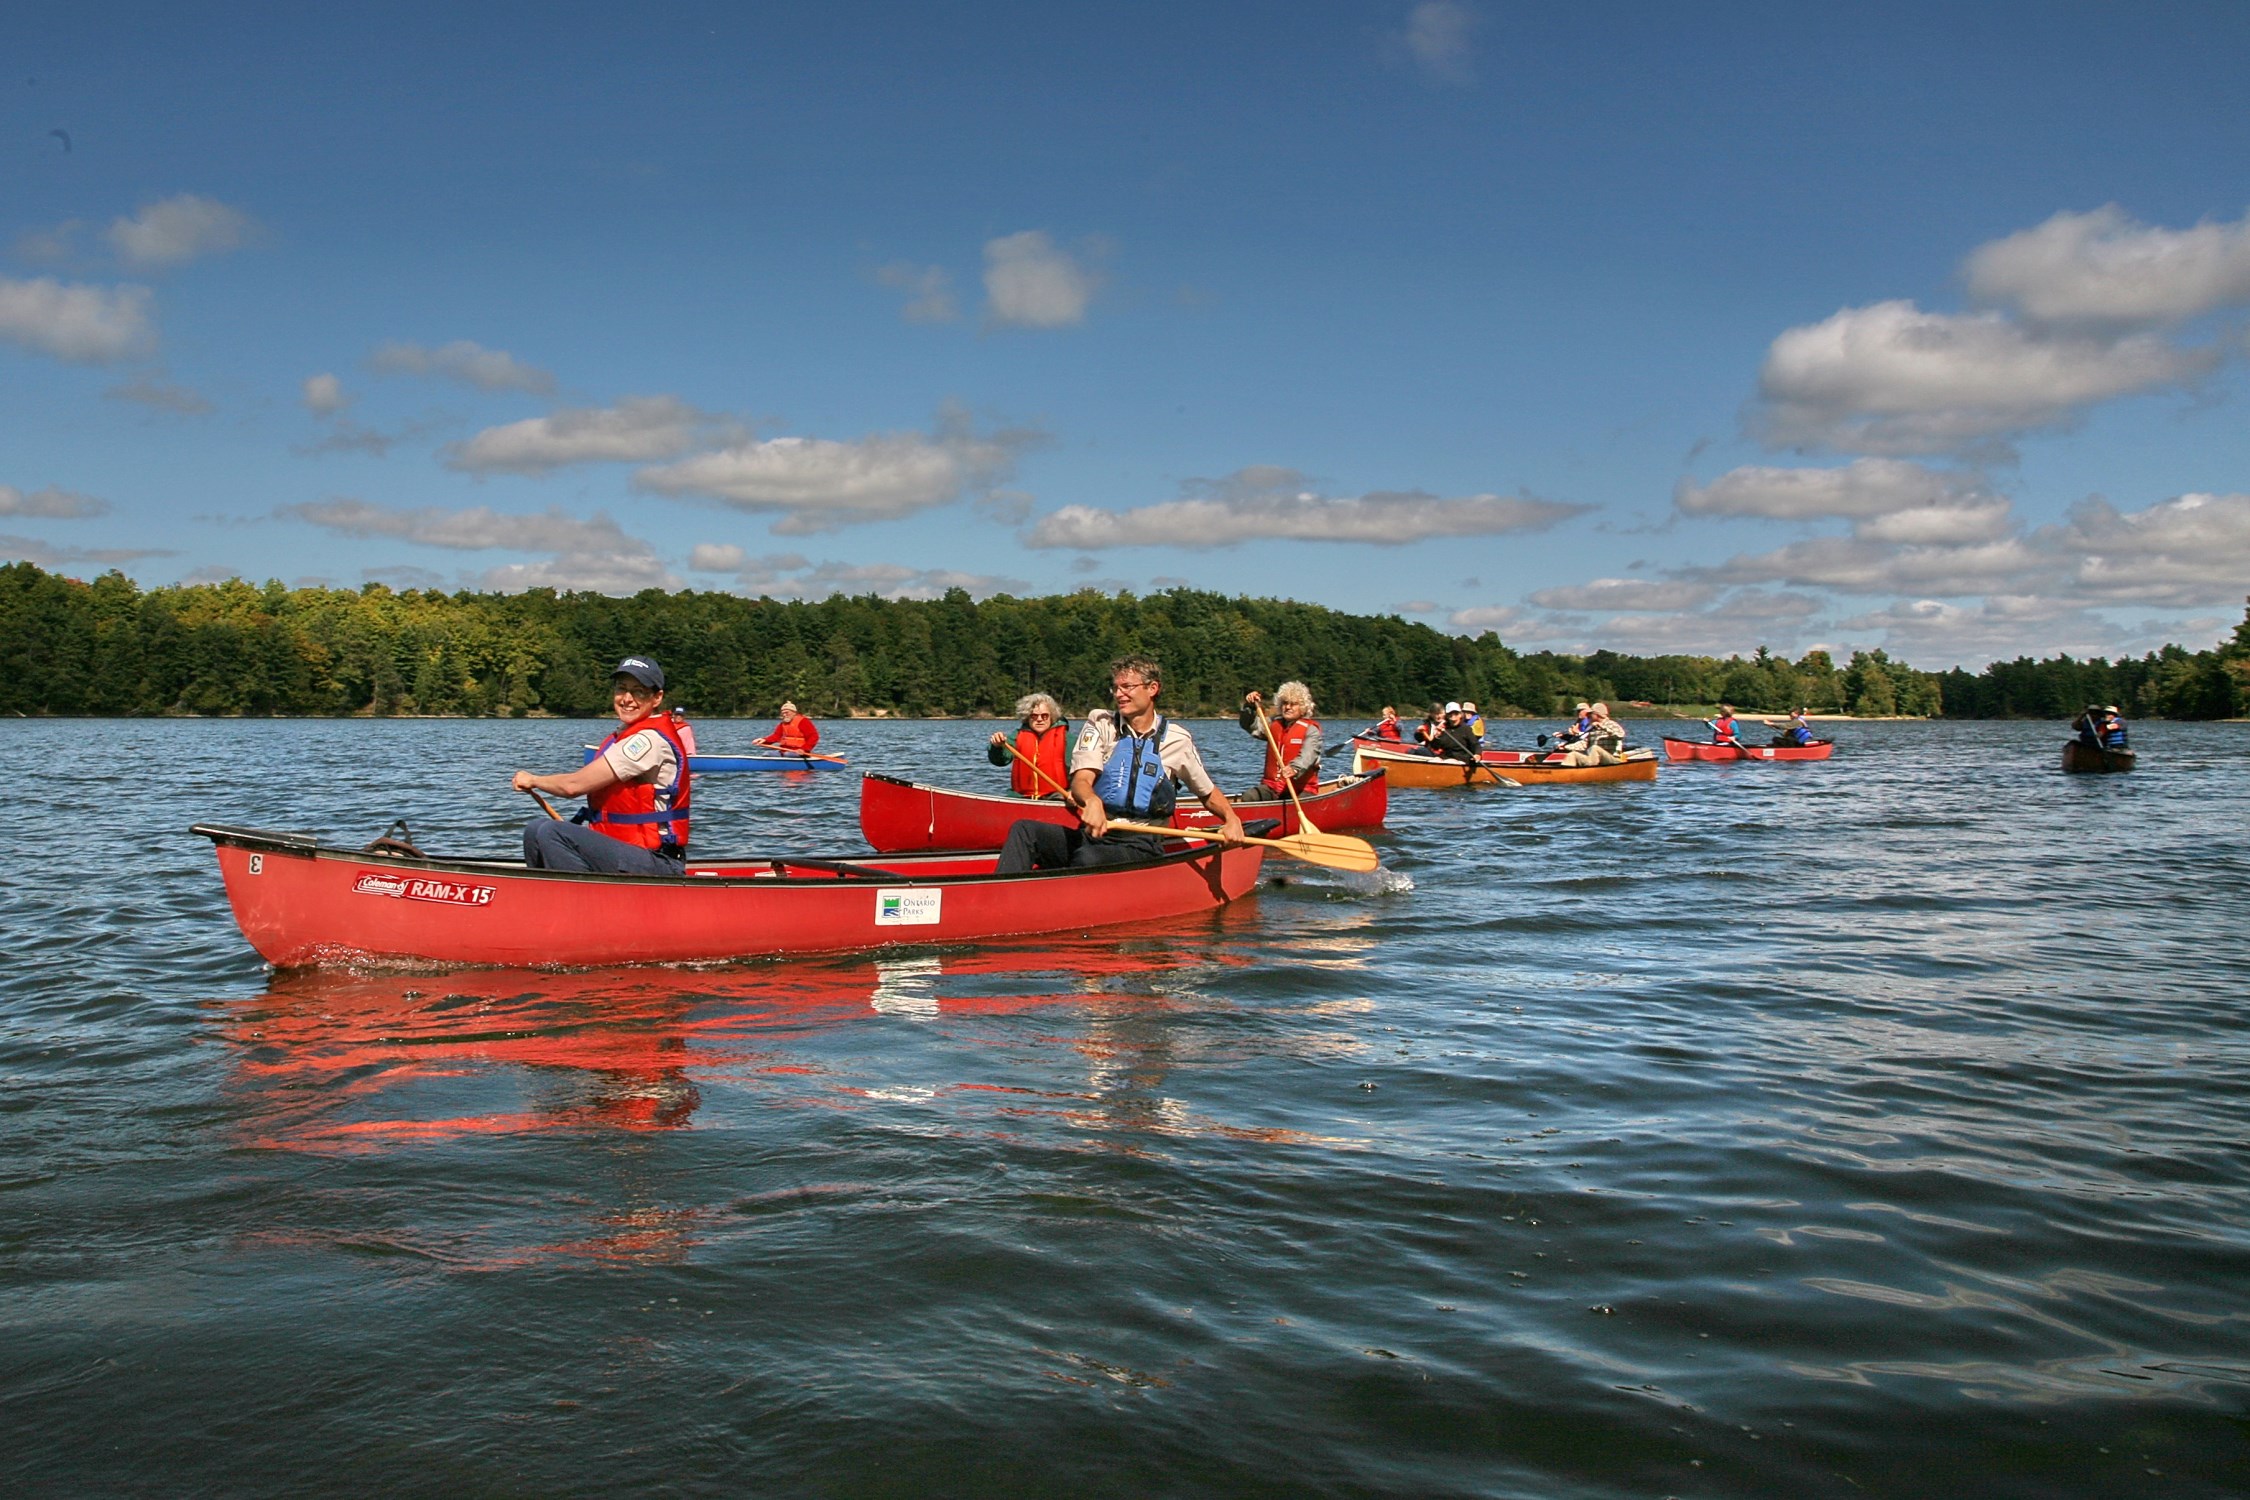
342, 1061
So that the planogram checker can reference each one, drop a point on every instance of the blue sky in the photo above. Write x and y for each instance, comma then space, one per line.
1652, 327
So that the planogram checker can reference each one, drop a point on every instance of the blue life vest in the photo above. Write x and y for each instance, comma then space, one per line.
2113, 734
1799, 734
1134, 784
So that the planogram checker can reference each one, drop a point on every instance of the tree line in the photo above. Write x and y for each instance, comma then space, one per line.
110, 647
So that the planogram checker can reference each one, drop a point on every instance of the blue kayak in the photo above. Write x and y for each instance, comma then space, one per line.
764, 760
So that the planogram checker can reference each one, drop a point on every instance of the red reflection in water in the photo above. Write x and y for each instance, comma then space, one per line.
345, 1062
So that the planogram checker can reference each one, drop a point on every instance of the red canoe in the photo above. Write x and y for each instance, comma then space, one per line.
903, 816
1704, 750
302, 902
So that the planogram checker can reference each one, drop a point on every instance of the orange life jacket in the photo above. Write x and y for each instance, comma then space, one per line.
1046, 751
628, 810
799, 734
1291, 738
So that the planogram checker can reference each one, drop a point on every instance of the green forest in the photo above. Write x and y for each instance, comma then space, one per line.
110, 647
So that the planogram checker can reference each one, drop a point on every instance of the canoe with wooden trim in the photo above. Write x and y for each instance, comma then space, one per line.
2080, 756
1496, 768
1705, 750
301, 902
899, 816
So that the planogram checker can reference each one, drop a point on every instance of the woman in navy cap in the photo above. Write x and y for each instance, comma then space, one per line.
635, 821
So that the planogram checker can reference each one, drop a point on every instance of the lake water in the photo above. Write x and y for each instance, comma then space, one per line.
1866, 1128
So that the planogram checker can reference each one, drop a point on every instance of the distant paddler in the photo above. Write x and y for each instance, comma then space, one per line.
795, 733
1453, 739
1038, 758
1602, 743
2100, 726
1723, 730
1291, 738
1795, 730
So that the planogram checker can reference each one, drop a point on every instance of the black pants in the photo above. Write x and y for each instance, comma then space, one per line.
1033, 845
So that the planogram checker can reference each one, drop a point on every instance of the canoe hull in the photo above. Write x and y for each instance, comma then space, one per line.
2080, 756
303, 903
901, 816
1411, 770
1692, 750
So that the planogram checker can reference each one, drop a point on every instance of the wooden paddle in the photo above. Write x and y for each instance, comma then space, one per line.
1042, 775
1281, 767
1337, 851
805, 754
544, 806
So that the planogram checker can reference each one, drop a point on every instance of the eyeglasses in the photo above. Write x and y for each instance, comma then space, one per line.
1129, 687
1039, 713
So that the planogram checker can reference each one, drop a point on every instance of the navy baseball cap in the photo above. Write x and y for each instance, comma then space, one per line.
642, 671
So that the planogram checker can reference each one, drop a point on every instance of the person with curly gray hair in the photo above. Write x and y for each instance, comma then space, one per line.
1293, 747
1040, 762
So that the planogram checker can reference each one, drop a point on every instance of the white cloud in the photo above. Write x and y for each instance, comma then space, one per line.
1859, 565
162, 395
2185, 552
179, 229
1984, 520
1505, 619
1893, 379
1934, 635
593, 554
464, 361
789, 575
1030, 283
54, 245
819, 484
1631, 594
1269, 502
83, 324
1864, 487
324, 395
929, 289
2106, 270
715, 557
636, 430
40, 554
49, 503
1438, 36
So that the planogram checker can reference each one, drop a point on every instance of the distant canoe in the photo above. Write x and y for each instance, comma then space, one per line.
1705, 750
2080, 756
1411, 768
764, 760
900, 816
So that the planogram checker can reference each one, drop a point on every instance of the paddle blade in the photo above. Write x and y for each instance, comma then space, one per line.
1337, 851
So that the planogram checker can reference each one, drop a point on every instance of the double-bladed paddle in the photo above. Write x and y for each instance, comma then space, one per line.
1337, 851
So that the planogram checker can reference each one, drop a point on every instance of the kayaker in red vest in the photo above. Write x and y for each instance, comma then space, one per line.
1722, 728
1042, 738
1388, 728
1295, 731
795, 732
635, 821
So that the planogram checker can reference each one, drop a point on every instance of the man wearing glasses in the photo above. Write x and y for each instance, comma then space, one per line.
1123, 766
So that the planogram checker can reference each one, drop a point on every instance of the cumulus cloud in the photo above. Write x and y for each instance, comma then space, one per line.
593, 554
1625, 594
929, 291
324, 395
1865, 487
2106, 270
464, 361
819, 484
789, 575
161, 395
2189, 551
50, 503
178, 230
1893, 379
89, 325
636, 430
1933, 634
1030, 282
1860, 565
1438, 38
1267, 502
40, 554
53, 245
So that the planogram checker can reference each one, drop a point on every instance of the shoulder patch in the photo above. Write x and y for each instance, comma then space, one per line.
637, 746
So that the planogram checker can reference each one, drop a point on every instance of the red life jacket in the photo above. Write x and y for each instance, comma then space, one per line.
1722, 730
628, 811
1291, 738
1388, 730
1046, 751
799, 734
